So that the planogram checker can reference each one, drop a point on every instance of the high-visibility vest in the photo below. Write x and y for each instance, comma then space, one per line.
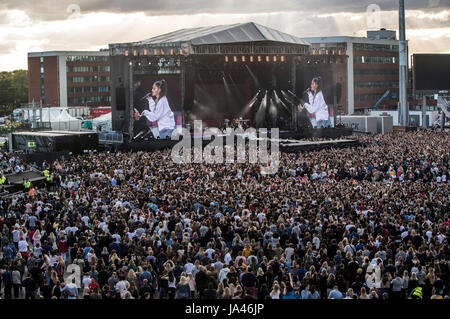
47, 175
27, 184
2, 180
418, 292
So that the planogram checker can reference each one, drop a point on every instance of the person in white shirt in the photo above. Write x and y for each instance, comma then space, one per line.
123, 286
23, 247
317, 104
159, 111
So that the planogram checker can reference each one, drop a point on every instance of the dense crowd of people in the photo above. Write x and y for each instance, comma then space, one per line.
366, 222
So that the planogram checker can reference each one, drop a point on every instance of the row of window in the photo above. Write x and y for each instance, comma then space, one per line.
87, 58
376, 59
87, 79
376, 72
88, 89
368, 97
77, 69
90, 99
377, 84
375, 47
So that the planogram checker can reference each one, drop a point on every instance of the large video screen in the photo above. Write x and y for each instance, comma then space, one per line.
143, 85
432, 72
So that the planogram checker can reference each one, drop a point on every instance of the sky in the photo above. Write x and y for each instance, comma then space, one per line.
75, 25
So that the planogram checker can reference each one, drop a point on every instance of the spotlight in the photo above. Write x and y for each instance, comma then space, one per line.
134, 52
162, 52
227, 59
171, 51
145, 51
267, 58
259, 59
126, 52
251, 59
282, 58
155, 52
274, 58
243, 58
235, 58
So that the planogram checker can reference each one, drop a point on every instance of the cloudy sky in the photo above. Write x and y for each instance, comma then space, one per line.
44, 25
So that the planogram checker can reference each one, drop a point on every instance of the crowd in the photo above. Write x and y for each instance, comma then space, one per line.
366, 222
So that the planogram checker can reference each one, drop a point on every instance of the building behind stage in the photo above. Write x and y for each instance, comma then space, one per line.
69, 78
372, 69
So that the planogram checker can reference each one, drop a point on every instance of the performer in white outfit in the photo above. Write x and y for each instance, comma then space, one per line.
317, 104
159, 110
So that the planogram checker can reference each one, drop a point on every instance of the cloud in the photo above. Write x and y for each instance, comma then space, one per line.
49, 10
21, 31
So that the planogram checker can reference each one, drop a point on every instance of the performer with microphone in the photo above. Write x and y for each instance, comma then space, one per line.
159, 110
317, 103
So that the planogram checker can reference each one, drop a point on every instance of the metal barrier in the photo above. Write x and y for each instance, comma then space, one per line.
110, 138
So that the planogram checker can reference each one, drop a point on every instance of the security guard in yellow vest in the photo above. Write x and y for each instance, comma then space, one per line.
2, 180
48, 178
47, 175
26, 184
417, 293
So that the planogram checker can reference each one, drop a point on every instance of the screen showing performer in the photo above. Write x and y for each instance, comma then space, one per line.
158, 110
317, 103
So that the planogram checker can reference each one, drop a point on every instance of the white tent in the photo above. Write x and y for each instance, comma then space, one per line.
64, 121
104, 121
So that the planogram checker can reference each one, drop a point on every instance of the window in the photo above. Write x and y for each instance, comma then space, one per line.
104, 88
87, 58
87, 79
377, 84
41, 59
376, 71
375, 47
368, 97
375, 59
42, 69
81, 69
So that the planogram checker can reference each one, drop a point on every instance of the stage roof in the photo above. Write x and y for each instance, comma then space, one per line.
221, 34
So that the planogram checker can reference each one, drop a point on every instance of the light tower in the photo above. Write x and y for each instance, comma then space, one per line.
403, 107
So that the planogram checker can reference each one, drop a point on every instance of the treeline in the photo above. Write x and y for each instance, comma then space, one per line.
13, 90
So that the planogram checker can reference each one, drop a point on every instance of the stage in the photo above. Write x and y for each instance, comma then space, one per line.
288, 141
295, 146
55, 141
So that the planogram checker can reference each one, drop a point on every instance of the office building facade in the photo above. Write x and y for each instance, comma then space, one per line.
69, 78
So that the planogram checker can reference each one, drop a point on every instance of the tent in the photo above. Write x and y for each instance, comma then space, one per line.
103, 122
64, 121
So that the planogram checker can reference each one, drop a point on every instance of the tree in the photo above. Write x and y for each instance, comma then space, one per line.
13, 90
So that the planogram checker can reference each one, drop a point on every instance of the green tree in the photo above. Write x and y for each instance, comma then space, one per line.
13, 90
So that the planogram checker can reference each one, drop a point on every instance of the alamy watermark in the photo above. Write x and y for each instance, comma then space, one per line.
73, 272
74, 10
256, 147
373, 19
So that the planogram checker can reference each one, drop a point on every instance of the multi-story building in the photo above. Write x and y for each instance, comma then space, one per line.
69, 78
371, 68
